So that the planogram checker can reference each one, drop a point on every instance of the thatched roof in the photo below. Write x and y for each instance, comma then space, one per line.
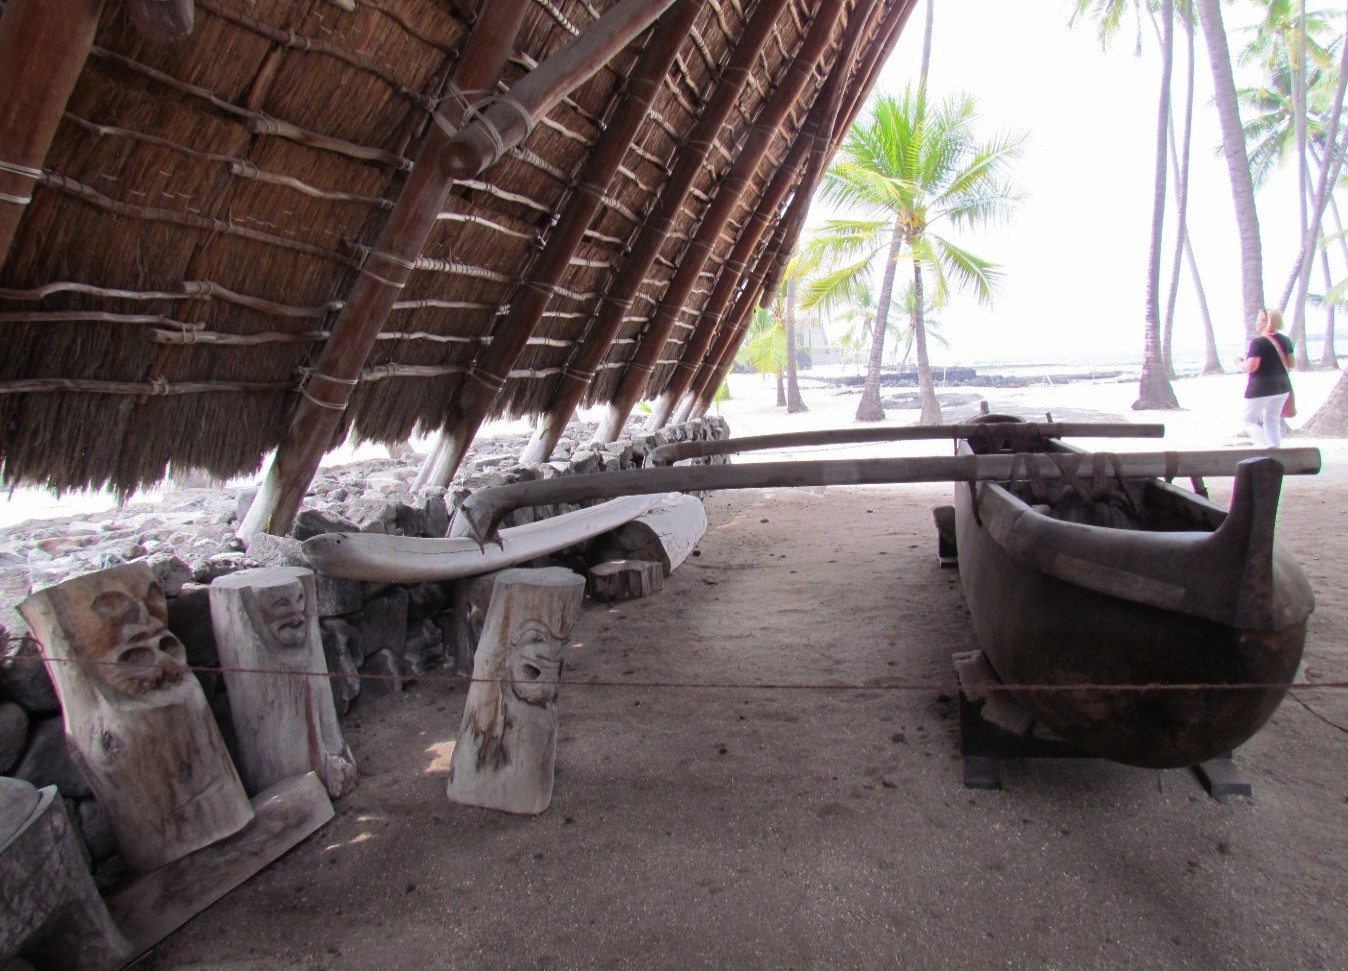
207, 204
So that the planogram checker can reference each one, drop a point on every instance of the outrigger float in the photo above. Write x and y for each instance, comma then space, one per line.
1136, 620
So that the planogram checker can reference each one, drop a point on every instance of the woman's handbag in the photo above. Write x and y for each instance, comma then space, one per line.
1289, 407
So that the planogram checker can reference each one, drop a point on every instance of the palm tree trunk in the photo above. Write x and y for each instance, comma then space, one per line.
794, 404
1179, 162
1298, 334
1237, 161
1328, 359
931, 407
868, 409
1212, 362
1155, 391
781, 391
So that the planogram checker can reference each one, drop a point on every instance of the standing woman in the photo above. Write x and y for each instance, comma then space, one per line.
1267, 362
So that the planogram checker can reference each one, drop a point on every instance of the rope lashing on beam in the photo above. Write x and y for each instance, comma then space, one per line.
489, 381
23, 171
314, 375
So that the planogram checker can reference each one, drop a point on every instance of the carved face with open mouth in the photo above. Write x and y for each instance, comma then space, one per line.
536, 663
129, 646
283, 615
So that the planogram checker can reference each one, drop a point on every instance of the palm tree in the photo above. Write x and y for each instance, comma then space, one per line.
1155, 390
764, 348
1237, 160
910, 167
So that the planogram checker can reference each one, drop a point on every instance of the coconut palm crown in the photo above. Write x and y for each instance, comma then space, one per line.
909, 169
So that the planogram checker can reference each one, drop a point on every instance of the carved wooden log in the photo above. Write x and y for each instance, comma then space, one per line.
625, 579
508, 737
666, 534
266, 621
471, 598
50, 910
138, 723
411, 559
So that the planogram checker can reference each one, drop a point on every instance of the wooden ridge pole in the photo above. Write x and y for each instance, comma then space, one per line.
806, 154
767, 276
715, 219
598, 338
449, 153
475, 396
484, 510
43, 47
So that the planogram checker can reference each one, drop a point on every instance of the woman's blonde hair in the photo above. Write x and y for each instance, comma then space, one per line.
1274, 316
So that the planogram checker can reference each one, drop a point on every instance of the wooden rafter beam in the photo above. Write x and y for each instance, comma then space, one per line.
43, 47
318, 412
714, 221
475, 396
813, 147
590, 354
766, 277
455, 148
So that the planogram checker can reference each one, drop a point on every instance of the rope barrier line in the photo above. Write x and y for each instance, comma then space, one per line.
940, 687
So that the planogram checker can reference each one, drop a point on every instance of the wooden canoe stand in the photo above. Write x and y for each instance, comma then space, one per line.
984, 745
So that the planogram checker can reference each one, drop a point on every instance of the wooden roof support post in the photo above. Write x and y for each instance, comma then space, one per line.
809, 150
476, 395
599, 337
714, 221
43, 47
319, 411
449, 153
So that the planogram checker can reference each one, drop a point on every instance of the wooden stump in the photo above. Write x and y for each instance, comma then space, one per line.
665, 535
508, 737
625, 580
470, 597
50, 910
138, 724
266, 626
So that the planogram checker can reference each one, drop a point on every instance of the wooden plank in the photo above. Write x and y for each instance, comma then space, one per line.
160, 902
482, 511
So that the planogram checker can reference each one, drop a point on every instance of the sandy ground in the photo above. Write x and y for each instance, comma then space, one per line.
700, 820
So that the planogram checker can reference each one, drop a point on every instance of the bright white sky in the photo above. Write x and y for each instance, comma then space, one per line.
1075, 254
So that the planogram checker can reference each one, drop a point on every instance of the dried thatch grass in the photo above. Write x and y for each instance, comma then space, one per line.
206, 206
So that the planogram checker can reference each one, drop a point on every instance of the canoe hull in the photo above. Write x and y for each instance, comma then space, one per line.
1040, 629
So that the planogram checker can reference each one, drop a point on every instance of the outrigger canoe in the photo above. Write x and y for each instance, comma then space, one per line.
1104, 592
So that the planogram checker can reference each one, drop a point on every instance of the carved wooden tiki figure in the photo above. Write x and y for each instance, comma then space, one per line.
266, 622
138, 723
508, 737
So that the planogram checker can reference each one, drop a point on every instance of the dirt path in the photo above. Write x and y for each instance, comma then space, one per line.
752, 828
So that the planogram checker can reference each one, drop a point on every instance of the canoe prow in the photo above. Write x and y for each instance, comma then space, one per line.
1265, 597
